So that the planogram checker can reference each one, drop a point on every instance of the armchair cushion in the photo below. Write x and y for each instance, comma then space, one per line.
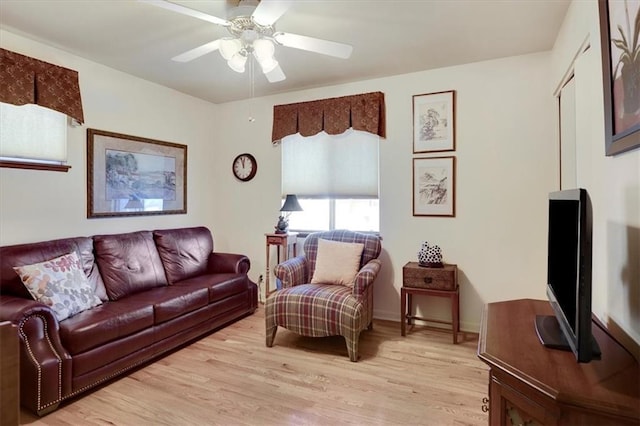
337, 262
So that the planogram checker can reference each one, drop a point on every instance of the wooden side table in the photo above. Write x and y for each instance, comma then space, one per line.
439, 282
9, 374
280, 241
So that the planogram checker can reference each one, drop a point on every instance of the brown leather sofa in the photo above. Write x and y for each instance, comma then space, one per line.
160, 289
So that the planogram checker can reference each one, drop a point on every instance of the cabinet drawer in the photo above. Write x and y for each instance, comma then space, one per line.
417, 276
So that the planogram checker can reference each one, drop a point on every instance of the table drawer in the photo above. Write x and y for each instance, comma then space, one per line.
276, 240
417, 276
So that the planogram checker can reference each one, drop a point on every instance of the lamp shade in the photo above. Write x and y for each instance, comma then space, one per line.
229, 47
237, 62
291, 204
268, 64
263, 49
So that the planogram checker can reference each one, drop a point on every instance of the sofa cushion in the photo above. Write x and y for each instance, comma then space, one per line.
129, 263
59, 283
175, 301
27, 254
219, 286
184, 252
108, 322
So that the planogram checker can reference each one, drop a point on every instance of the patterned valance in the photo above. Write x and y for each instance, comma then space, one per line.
25, 80
334, 115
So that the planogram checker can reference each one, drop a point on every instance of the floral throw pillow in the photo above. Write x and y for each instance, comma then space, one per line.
61, 284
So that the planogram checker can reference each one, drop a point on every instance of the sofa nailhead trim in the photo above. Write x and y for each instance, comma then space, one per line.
37, 364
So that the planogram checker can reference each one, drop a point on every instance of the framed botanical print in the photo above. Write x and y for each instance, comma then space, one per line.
434, 122
434, 186
620, 41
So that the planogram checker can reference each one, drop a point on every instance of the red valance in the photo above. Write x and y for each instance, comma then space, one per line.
25, 80
364, 112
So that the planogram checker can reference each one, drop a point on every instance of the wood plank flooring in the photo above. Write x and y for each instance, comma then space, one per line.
231, 378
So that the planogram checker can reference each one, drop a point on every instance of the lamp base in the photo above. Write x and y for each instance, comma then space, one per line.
282, 226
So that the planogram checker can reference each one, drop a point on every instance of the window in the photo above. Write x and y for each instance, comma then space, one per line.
32, 134
331, 213
335, 179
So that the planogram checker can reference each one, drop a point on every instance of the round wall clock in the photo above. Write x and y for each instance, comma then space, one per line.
244, 167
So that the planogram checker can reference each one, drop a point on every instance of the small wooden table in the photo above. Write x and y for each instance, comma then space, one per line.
9, 374
445, 284
280, 241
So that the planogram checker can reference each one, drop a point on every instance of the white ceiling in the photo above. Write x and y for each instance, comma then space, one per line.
388, 37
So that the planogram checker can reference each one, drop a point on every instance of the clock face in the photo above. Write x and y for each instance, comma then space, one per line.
245, 167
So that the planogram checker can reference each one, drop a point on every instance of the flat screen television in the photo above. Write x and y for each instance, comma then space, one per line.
569, 276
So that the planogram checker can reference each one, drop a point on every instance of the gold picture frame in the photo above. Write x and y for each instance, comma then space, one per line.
134, 176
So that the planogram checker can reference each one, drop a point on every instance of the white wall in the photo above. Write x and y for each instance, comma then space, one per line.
612, 182
506, 165
41, 205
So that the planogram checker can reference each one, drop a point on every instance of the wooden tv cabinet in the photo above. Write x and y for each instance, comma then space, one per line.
532, 385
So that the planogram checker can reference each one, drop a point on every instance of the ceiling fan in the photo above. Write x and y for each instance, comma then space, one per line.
252, 31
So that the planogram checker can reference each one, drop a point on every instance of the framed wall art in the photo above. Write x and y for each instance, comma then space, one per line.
434, 122
133, 176
620, 41
434, 186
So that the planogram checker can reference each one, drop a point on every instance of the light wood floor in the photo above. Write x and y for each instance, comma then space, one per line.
231, 378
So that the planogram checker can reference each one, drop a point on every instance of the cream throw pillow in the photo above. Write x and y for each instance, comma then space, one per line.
337, 262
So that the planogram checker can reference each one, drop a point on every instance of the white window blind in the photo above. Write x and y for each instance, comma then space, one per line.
30, 132
336, 166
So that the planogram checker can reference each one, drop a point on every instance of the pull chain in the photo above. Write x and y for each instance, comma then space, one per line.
251, 118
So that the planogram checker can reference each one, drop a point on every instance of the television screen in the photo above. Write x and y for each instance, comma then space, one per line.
562, 268
569, 276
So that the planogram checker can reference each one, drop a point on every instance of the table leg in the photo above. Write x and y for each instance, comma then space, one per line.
403, 312
455, 313
266, 281
409, 308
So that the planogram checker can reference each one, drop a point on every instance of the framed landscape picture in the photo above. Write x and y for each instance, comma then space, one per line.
434, 186
620, 41
133, 176
434, 122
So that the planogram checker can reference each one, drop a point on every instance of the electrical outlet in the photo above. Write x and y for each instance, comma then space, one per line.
260, 279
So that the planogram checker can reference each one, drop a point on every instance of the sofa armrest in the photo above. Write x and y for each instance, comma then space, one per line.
366, 276
292, 272
45, 365
228, 263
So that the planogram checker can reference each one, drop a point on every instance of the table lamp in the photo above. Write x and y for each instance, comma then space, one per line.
290, 205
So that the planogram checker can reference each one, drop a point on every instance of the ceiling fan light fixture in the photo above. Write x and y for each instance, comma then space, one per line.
263, 49
237, 62
268, 64
229, 47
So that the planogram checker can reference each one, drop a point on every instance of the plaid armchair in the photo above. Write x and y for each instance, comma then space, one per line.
318, 310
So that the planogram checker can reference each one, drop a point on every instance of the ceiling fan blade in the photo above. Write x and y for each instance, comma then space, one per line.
192, 54
326, 47
269, 11
186, 11
275, 75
